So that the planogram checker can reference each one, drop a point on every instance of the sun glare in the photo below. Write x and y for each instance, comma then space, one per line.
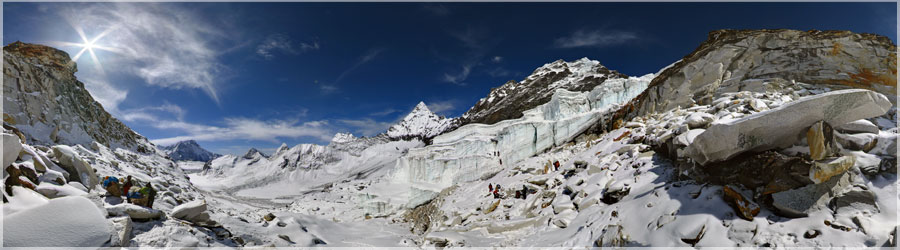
89, 46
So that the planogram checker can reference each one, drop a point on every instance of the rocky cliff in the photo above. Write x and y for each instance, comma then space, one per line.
757, 60
43, 99
188, 151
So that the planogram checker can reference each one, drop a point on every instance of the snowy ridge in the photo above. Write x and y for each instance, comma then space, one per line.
420, 123
188, 151
512, 98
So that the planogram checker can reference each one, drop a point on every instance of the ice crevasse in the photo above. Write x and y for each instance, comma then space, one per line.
468, 153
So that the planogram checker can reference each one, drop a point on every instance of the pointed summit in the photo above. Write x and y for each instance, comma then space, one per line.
420, 123
254, 153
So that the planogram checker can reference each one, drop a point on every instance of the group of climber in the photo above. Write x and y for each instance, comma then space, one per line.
520, 194
134, 194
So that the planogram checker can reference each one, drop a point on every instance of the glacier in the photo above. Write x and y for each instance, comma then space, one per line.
468, 153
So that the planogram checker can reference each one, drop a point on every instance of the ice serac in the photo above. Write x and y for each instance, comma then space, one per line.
757, 60
188, 151
476, 150
755, 132
421, 123
510, 100
46, 102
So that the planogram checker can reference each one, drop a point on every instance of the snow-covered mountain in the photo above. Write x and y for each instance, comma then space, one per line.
512, 98
188, 151
420, 123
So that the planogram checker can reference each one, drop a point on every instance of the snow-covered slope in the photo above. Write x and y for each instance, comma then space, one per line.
188, 151
421, 123
512, 98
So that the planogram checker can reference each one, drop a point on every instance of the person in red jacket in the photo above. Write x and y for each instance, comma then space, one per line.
126, 187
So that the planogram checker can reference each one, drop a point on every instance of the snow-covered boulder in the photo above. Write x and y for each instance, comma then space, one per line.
122, 227
11, 148
134, 211
755, 132
858, 126
56, 191
801, 201
194, 211
74, 164
63, 222
22, 199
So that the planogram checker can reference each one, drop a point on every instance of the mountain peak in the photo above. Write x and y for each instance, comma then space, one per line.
188, 150
253, 153
420, 123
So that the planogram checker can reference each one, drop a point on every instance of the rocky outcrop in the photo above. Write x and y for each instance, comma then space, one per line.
801, 201
512, 98
756, 132
194, 211
754, 60
43, 99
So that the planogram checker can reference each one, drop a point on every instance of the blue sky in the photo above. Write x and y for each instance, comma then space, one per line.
240, 75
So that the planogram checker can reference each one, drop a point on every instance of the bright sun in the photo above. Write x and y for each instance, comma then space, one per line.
89, 45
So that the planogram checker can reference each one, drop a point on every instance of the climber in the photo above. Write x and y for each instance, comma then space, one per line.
490, 188
556, 166
497, 192
111, 183
151, 195
524, 192
126, 187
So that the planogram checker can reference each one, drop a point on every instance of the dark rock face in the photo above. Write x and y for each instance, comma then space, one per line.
509, 100
730, 58
782, 172
44, 100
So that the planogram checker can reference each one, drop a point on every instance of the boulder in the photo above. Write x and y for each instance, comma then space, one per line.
562, 203
758, 105
823, 171
269, 217
194, 211
801, 201
688, 137
122, 227
11, 148
699, 119
860, 142
563, 219
858, 126
55, 191
135, 212
612, 236
63, 222
855, 200
886, 145
820, 138
782, 126
72, 163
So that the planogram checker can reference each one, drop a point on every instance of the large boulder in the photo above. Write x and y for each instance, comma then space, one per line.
11, 148
63, 222
194, 211
72, 163
782, 126
122, 227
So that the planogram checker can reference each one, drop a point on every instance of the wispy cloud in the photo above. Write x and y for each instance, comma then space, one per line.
594, 38
367, 126
166, 46
442, 107
282, 43
437, 9
385, 112
477, 41
497, 59
328, 88
153, 113
458, 77
246, 129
